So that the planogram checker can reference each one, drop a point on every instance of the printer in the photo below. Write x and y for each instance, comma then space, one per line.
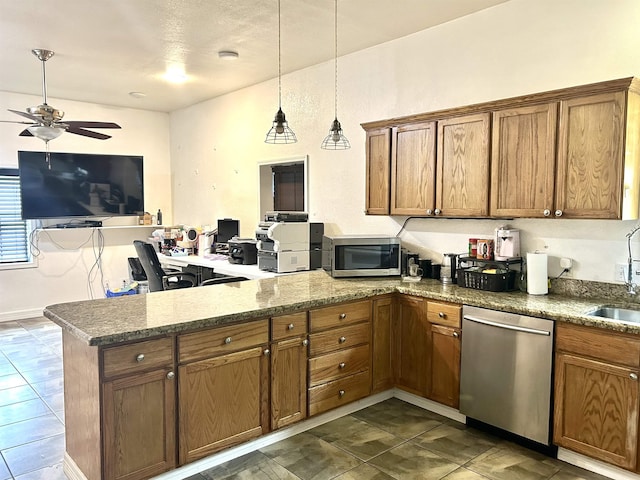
289, 246
243, 251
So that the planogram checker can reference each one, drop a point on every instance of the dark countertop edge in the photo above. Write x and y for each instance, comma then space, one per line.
460, 295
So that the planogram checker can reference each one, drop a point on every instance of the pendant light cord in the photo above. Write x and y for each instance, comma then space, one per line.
279, 62
336, 59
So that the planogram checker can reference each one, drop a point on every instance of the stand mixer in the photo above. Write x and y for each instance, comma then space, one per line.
507, 243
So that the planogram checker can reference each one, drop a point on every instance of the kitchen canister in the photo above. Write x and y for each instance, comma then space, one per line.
537, 282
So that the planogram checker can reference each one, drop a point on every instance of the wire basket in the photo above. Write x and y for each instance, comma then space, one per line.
491, 282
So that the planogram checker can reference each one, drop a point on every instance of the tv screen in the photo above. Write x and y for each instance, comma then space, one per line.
80, 185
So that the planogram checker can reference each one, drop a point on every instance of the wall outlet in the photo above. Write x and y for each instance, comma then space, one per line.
622, 269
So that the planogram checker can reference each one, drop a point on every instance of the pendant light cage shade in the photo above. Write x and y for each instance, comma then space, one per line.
336, 139
280, 132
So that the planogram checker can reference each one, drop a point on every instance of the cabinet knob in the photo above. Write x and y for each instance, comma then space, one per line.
437, 211
342, 365
633, 376
341, 393
305, 342
267, 352
455, 334
342, 339
442, 314
290, 327
227, 340
343, 316
140, 357
546, 212
170, 375
558, 213
429, 211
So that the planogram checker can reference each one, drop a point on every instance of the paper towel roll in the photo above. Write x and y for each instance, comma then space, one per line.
537, 283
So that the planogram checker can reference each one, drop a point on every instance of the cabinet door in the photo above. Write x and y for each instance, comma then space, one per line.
223, 402
378, 168
413, 169
523, 161
288, 382
462, 187
139, 425
445, 365
596, 409
591, 156
382, 362
412, 346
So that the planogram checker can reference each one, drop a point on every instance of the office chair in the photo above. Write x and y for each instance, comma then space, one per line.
160, 279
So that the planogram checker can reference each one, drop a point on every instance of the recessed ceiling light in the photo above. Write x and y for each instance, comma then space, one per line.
137, 94
228, 54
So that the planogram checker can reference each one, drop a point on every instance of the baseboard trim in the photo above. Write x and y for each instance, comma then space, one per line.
595, 465
430, 405
20, 314
70, 469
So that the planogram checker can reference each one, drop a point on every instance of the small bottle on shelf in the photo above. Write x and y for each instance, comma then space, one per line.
159, 217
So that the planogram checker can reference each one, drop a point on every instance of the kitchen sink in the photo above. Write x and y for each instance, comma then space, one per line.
616, 313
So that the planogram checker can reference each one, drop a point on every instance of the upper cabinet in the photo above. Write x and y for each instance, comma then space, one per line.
570, 153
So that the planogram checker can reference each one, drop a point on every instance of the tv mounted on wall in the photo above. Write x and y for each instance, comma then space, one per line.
80, 185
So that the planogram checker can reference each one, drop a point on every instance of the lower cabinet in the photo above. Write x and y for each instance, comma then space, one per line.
596, 394
223, 381
412, 346
382, 340
446, 336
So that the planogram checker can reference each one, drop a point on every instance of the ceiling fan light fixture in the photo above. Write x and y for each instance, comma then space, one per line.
280, 132
45, 133
228, 55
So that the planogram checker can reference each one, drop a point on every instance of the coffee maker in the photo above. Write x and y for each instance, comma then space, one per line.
507, 243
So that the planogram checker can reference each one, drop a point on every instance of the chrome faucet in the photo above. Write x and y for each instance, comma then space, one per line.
629, 283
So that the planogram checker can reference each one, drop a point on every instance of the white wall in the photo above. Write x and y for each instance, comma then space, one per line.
519, 47
65, 261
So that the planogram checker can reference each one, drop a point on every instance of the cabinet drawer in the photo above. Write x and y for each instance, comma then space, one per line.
286, 326
597, 343
339, 315
339, 392
216, 341
449, 314
339, 364
137, 357
338, 338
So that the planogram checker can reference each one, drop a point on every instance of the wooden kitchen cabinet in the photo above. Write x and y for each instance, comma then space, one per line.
223, 382
446, 334
413, 169
413, 345
462, 184
339, 355
382, 359
288, 369
523, 157
596, 394
378, 151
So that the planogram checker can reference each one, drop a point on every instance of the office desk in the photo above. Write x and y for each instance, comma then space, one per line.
219, 266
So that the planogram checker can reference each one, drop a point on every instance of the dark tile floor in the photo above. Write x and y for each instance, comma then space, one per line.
390, 440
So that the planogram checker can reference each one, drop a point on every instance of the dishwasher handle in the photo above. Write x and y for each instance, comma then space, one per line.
516, 328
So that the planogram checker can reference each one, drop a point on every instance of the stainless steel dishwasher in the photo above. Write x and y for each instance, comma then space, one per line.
505, 377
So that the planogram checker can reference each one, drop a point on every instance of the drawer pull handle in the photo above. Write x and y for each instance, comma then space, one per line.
227, 340
342, 365
343, 316
305, 342
170, 375
341, 393
267, 352
633, 376
455, 334
140, 357
342, 339
442, 314
290, 327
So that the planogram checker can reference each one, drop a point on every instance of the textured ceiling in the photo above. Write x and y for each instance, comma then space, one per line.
108, 48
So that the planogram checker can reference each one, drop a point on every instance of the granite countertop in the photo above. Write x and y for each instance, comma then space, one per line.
113, 320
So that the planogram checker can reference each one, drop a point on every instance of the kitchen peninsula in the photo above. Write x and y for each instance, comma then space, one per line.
140, 360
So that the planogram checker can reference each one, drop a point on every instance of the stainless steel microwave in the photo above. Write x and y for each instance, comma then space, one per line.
361, 255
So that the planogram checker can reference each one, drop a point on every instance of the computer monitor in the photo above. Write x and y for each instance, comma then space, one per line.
227, 229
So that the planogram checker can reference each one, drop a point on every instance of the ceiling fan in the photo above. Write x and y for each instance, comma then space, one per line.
46, 122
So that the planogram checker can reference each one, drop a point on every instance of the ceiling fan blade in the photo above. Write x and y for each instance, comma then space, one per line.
25, 133
87, 133
15, 121
27, 115
91, 124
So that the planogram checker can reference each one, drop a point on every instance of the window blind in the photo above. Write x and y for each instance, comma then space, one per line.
14, 241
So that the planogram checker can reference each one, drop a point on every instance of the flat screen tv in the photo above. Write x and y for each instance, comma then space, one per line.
80, 185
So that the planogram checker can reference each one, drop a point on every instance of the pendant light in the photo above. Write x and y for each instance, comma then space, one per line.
280, 131
336, 140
